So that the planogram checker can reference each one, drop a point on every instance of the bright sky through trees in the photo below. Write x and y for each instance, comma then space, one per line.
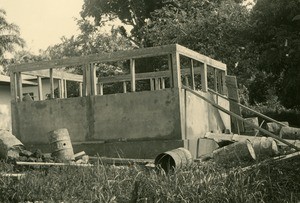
43, 22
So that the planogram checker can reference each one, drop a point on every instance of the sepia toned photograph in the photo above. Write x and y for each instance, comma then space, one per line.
150, 101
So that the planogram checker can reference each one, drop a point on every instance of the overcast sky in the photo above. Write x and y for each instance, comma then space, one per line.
43, 22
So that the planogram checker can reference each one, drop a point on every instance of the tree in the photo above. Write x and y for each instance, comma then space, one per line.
130, 12
275, 32
214, 28
9, 36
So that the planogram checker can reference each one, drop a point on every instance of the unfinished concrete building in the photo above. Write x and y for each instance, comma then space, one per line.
175, 107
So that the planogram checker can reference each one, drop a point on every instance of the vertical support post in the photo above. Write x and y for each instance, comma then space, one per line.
215, 80
176, 70
84, 87
170, 69
40, 88
86, 80
51, 84
193, 75
151, 84
60, 88
65, 92
101, 88
93, 80
13, 86
186, 80
124, 87
156, 83
203, 73
237, 125
19, 84
132, 74
80, 89
224, 87
163, 84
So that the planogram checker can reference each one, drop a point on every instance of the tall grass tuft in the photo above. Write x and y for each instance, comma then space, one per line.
204, 182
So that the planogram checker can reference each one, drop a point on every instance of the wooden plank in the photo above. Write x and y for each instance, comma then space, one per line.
50, 164
120, 161
199, 57
192, 75
103, 57
93, 80
13, 86
231, 83
249, 109
203, 73
40, 88
58, 74
51, 83
19, 85
176, 70
132, 74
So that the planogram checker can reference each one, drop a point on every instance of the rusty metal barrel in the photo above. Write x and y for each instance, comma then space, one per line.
61, 145
176, 158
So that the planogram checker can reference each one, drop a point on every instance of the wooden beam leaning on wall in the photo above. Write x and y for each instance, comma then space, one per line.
232, 88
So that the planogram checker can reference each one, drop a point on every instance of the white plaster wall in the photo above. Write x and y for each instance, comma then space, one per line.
45, 88
5, 115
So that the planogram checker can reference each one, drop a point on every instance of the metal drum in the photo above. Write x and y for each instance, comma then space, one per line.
175, 158
61, 145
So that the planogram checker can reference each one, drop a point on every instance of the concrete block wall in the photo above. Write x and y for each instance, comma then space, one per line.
130, 116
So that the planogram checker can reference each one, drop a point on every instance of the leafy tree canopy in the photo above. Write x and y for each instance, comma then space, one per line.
275, 31
130, 12
9, 36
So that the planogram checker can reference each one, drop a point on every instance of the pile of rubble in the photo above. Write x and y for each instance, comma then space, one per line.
13, 150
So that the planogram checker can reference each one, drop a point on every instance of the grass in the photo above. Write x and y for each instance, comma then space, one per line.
204, 182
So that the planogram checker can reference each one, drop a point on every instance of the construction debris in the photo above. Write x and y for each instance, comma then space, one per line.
61, 145
290, 133
265, 147
50, 164
17, 176
275, 127
10, 146
235, 153
176, 158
